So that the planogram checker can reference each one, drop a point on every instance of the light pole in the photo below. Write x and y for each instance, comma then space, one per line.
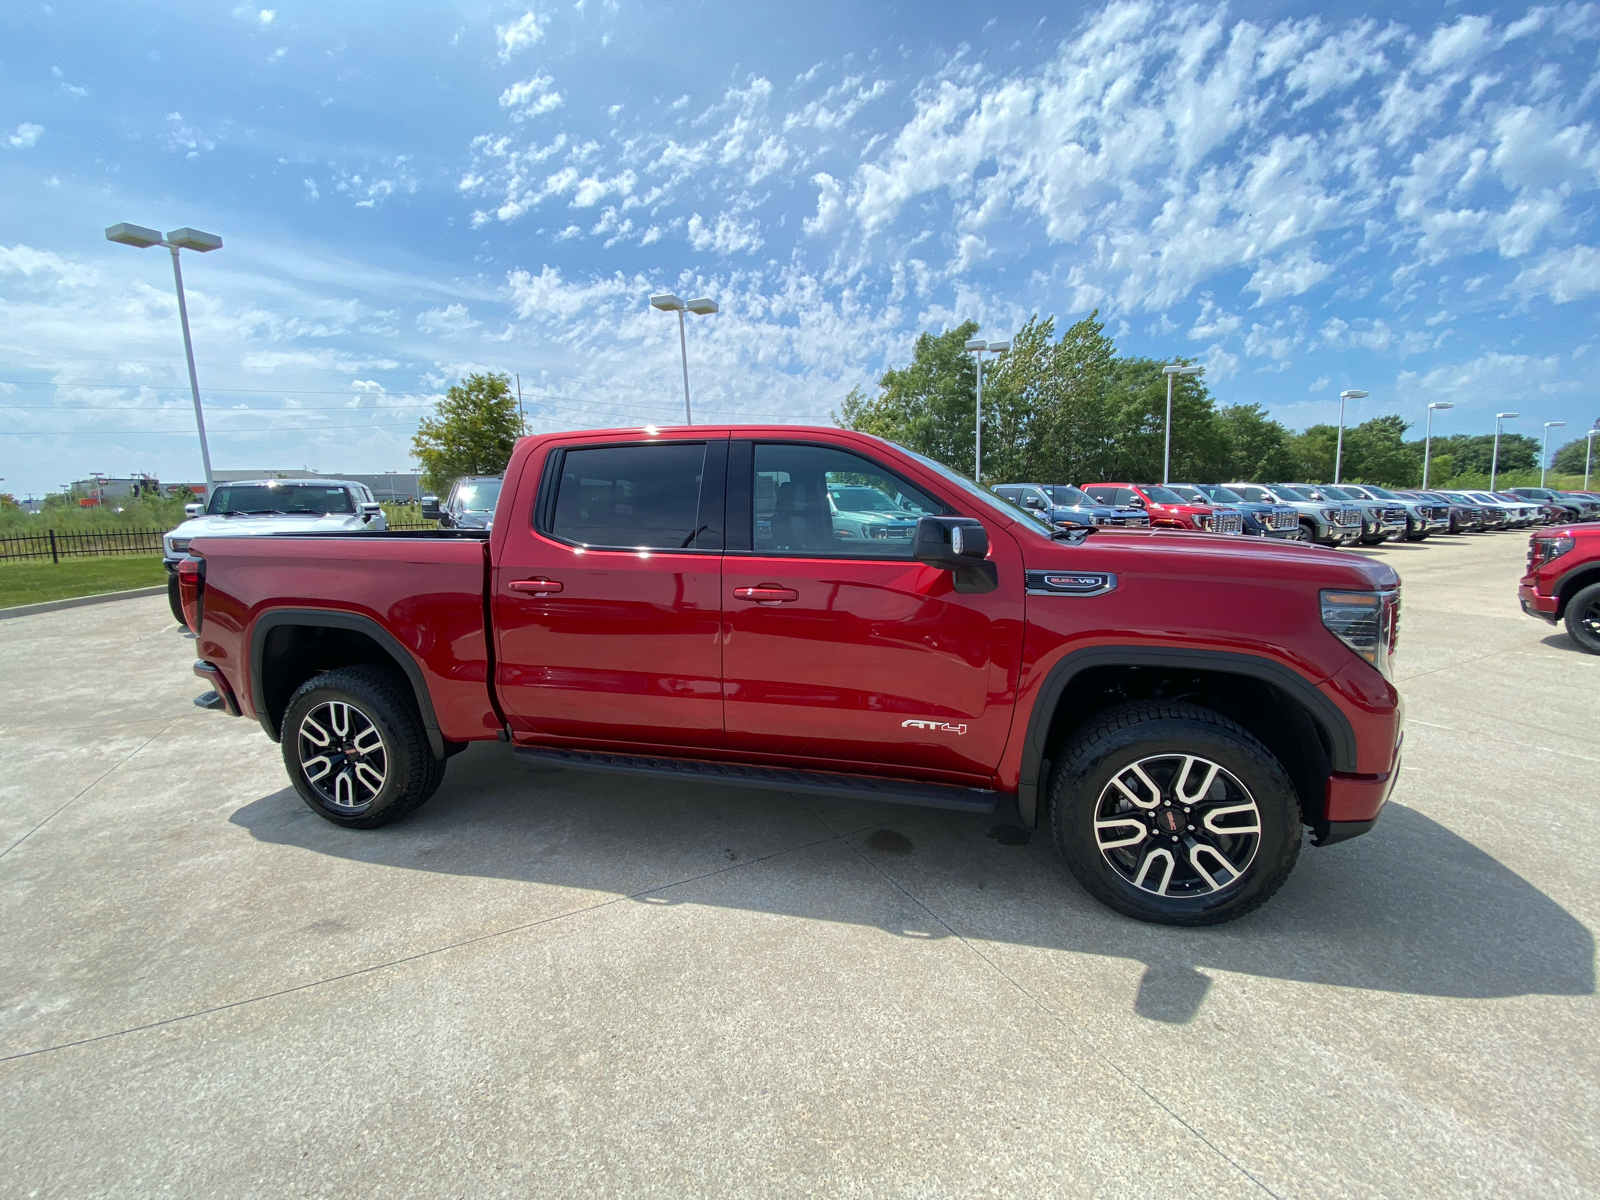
179, 239
703, 306
1427, 444
1338, 454
1544, 459
978, 346
1494, 461
1172, 371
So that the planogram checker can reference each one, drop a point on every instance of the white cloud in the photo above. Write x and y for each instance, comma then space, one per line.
267, 15
26, 137
531, 97
453, 318
1563, 275
728, 235
1456, 46
516, 36
1213, 321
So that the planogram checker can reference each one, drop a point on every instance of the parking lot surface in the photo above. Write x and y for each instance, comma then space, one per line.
552, 983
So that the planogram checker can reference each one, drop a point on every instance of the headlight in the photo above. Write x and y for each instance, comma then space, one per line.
1367, 622
179, 544
1542, 550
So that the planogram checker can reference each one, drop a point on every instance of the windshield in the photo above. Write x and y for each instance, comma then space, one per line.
292, 498
1295, 493
1068, 496
865, 499
1192, 494
1339, 493
1221, 494
1380, 493
479, 497
1255, 495
995, 503
1162, 495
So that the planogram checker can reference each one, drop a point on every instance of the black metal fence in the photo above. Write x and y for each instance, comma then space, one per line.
56, 546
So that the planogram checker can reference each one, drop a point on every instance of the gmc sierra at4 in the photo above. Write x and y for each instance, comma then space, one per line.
1176, 708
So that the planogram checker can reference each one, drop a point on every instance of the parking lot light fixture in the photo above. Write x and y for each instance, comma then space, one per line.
1544, 459
977, 346
197, 240
1427, 442
1494, 461
1172, 371
1338, 454
701, 306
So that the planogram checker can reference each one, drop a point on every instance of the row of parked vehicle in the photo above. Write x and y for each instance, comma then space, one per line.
1312, 512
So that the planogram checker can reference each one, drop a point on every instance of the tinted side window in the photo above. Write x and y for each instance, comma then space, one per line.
1101, 495
630, 497
813, 500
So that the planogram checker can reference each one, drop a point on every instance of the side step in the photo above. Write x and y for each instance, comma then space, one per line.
816, 783
211, 701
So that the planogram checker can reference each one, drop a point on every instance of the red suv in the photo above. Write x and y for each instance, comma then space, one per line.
1167, 509
1563, 581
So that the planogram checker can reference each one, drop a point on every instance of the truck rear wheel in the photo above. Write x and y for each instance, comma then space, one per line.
1173, 814
175, 600
355, 748
1583, 618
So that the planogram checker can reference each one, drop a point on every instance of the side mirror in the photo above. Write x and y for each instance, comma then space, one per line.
370, 509
959, 545
193, 510
1032, 502
430, 508
1136, 502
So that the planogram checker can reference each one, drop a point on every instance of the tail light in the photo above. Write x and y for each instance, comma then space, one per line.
1367, 622
192, 590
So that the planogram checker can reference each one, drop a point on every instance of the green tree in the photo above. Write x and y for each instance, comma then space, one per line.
1258, 446
473, 432
928, 406
1375, 451
1314, 450
1471, 453
1138, 409
1569, 459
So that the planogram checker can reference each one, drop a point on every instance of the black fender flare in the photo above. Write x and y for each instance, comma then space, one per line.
1334, 724
356, 623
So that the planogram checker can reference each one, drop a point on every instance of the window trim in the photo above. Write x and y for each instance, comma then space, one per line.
713, 489
742, 492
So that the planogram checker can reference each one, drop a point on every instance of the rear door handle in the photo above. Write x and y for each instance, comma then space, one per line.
766, 593
536, 586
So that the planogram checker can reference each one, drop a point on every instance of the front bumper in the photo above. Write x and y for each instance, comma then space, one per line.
1536, 605
1355, 801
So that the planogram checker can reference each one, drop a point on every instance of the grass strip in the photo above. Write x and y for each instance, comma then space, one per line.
35, 582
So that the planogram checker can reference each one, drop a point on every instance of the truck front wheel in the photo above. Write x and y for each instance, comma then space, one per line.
355, 748
175, 600
1173, 814
1583, 618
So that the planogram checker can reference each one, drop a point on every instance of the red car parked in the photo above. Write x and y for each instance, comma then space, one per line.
687, 603
1167, 509
1563, 581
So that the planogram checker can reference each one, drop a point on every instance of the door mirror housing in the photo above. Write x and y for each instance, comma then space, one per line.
370, 509
959, 545
193, 510
430, 508
1136, 502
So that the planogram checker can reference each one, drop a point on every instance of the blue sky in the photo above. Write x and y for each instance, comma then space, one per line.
1400, 200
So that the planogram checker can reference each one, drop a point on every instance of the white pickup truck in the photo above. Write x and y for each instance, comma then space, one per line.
262, 506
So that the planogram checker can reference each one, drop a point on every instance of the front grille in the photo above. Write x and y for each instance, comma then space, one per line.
1226, 522
1394, 514
1347, 516
1280, 520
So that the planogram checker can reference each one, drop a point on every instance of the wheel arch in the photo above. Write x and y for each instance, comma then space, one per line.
1572, 583
291, 645
1285, 710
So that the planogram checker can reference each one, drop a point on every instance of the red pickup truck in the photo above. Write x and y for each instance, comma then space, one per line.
688, 603
1167, 509
1563, 581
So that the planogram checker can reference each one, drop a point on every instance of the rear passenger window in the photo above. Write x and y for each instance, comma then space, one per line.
820, 502
630, 497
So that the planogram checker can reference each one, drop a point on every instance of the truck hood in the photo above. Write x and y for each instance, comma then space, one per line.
241, 526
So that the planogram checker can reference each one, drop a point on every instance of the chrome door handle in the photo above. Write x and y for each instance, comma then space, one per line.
766, 593
536, 586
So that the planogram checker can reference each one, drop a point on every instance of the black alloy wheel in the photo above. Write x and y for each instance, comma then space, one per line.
1173, 814
355, 748
1583, 618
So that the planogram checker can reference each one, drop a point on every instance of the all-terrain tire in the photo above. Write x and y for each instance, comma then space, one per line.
1583, 618
1308, 532
1158, 737
355, 748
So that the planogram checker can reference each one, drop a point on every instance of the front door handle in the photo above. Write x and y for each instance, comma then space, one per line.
536, 586
766, 593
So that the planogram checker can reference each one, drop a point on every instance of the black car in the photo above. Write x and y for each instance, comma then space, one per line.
1063, 506
1261, 518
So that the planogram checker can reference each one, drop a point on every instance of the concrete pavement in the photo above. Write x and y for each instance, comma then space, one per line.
551, 983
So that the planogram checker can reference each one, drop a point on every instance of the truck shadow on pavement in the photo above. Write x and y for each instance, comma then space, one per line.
1409, 908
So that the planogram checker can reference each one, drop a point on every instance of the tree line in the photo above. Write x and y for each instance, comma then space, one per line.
1072, 410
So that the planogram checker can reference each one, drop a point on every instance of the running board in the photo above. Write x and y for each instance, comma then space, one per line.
816, 783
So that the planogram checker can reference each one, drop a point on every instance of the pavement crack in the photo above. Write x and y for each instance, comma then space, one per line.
408, 958
89, 786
